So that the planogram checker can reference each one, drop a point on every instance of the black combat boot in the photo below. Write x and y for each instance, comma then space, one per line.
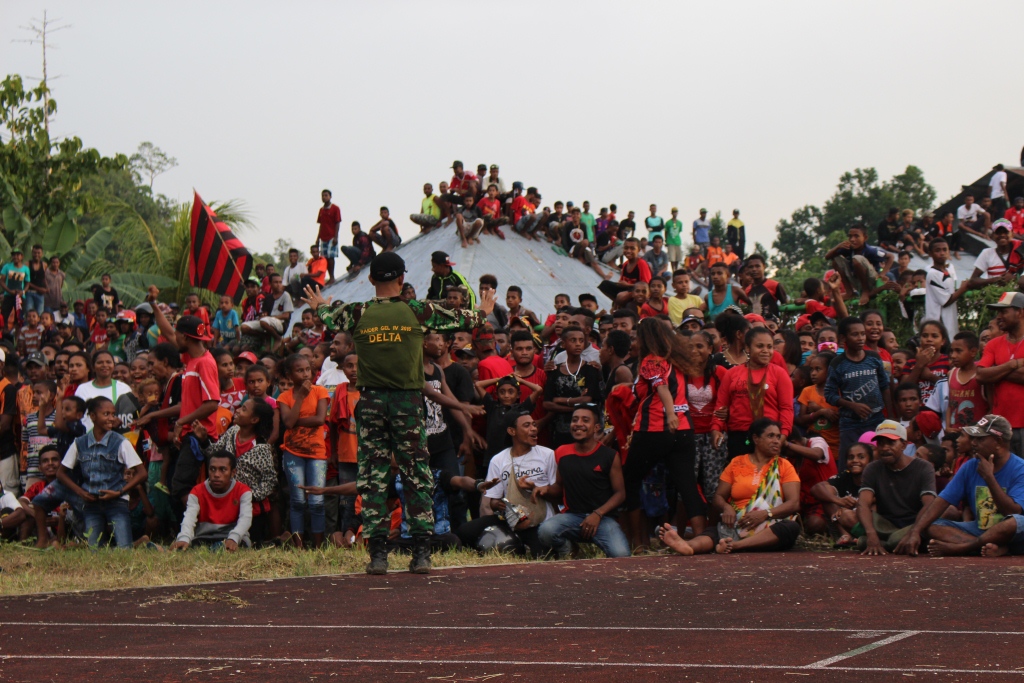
420, 563
378, 556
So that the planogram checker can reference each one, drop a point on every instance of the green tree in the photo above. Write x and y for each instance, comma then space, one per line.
860, 197
40, 178
149, 161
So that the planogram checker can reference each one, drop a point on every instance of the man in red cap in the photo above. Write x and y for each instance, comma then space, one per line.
200, 394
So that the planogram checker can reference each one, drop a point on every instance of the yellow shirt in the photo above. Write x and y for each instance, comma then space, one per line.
676, 306
428, 207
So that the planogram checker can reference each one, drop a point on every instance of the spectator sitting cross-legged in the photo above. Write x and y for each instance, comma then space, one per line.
757, 497
219, 510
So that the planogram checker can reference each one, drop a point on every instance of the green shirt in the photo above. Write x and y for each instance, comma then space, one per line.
388, 335
674, 232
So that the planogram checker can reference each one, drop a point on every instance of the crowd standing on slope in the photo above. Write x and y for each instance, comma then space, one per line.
630, 418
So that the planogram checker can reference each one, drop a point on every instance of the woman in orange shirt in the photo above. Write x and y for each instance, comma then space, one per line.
757, 497
303, 411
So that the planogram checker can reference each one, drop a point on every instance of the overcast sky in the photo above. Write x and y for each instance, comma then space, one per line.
754, 105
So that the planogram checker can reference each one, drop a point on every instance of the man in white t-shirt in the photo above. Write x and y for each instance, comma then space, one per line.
293, 273
12, 515
532, 466
970, 217
999, 264
997, 192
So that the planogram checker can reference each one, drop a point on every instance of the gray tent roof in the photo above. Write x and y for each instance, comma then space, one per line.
534, 266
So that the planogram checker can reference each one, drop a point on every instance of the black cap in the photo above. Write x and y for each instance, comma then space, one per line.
387, 267
192, 326
441, 258
37, 358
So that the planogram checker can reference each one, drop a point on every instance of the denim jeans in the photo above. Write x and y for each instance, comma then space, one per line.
98, 514
559, 531
305, 472
34, 302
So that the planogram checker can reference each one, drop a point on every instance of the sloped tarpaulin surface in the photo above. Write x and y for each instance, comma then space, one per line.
540, 271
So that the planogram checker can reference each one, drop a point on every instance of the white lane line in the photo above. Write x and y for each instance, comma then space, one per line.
821, 664
484, 662
407, 627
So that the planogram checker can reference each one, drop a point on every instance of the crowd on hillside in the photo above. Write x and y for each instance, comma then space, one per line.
641, 414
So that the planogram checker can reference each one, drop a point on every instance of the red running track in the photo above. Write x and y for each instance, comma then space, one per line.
772, 617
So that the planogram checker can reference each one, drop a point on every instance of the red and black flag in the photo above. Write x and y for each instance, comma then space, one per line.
218, 260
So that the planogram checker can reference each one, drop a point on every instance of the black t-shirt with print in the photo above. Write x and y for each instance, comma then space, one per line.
561, 385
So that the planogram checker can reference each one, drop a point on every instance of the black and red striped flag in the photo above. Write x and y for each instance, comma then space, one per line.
218, 260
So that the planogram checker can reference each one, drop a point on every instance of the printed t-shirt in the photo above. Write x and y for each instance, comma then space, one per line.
967, 403
827, 429
745, 477
537, 464
489, 208
328, 218
1007, 397
307, 442
232, 398
969, 488
939, 366
700, 396
200, 382
674, 232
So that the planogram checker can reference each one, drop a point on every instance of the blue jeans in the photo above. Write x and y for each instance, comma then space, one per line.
305, 472
560, 531
34, 302
98, 514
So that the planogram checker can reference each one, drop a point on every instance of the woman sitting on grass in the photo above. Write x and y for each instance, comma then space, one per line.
757, 497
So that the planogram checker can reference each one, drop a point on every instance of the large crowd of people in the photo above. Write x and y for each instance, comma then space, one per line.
633, 418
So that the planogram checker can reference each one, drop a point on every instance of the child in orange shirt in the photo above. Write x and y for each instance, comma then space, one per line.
303, 410
715, 252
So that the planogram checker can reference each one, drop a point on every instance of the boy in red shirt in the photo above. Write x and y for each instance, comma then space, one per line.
490, 210
634, 269
967, 399
192, 307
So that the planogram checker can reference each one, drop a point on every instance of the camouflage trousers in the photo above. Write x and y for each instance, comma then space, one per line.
390, 422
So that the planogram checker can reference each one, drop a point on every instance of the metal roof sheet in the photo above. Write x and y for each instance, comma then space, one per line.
535, 266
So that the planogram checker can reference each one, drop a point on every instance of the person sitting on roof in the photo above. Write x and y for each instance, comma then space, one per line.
860, 264
429, 216
385, 232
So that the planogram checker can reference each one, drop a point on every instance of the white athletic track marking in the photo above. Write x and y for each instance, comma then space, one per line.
491, 662
137, 624
821, 664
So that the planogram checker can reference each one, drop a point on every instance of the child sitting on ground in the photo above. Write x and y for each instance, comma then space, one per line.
839, 494
219, 511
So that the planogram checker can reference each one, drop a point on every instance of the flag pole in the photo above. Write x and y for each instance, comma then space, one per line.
234, 263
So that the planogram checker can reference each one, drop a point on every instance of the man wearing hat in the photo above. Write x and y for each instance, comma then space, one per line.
200, 394
494, 179
444, 277
463, 184
388, 335
998, 265
1002, 365
897, 486
991, 486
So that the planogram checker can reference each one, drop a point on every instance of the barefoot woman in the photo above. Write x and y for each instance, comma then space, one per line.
757, 495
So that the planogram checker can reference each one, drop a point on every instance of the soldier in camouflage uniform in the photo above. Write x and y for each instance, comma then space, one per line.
388, 334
